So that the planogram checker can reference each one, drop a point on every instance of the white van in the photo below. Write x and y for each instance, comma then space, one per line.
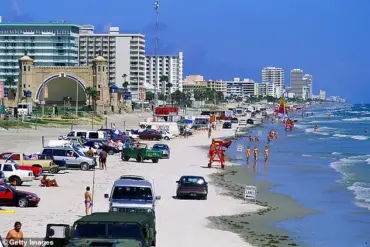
169, 127
88, 134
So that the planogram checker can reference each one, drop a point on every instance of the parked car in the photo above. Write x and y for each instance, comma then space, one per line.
132, 177
2, 177
116, 135
34, 162
141, 152
226, 125
164, 148
12, 172
150, 135
5, 156
166, 135
103, 144
192, 186
73, 158
9, 196
234, 120
132, 135
37, 171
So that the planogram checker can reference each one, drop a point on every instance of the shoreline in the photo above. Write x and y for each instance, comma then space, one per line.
257, 228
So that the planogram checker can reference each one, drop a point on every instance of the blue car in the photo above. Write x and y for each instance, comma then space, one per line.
166, 152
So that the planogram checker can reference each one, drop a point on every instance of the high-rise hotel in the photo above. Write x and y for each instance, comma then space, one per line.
125, 54
274, 76
49, 44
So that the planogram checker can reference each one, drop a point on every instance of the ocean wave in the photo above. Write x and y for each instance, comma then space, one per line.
311, 130
362, 194
357, 119
306, 155
336, 153
341, 164
325, 121
300, 126
356, 137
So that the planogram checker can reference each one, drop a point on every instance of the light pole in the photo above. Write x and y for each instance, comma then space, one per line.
77, 99
156, 7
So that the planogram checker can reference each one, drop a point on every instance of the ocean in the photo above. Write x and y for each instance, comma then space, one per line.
327, 171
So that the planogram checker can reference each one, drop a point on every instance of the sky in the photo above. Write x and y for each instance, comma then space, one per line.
223, 39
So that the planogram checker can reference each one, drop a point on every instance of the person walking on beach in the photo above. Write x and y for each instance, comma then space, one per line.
266, 153
103, 158
255, 152
248, 153
88, 200
15, 236
120, 148
209, 132
90, 152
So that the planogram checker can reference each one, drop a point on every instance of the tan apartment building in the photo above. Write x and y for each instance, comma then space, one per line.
219, 86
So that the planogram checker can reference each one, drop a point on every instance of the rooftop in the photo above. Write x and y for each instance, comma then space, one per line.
33, 24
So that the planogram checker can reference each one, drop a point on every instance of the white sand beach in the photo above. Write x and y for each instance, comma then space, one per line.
180, 223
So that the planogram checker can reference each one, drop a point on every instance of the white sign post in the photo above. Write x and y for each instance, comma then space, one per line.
250, 193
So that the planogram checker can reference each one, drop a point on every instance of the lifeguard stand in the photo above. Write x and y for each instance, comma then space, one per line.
217, 152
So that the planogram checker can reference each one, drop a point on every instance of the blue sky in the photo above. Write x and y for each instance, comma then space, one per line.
222, 39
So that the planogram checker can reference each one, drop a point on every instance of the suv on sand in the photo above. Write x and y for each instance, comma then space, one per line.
76, 160
132, 196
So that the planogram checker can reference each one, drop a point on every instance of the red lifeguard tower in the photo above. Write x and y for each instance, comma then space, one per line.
217, 152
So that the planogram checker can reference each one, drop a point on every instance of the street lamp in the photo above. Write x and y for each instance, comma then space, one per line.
156, 7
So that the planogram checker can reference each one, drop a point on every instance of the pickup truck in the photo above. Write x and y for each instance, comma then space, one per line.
37, 171
24, 160
12, 172
141, 152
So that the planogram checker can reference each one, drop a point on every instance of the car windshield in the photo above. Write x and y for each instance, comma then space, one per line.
122, 231
6, 156
192, 180
160, 146
115, 231
134, 193
79, 153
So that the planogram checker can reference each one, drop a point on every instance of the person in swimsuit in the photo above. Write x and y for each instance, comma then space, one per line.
88, 200
103, 158
15, 236
255, 152
248, 153
266, 153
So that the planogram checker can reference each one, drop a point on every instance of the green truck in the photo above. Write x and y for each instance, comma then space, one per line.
140, 152
105, 229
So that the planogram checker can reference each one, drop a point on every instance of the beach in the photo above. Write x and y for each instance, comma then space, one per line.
179, 222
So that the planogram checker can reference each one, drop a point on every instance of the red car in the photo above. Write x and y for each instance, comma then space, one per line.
37, 171
9, 196
149, 134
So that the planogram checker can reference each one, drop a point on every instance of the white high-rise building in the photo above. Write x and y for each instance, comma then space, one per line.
296, 82
307, 82
322, 95
241, 88
123, 52
276, 76
164, 65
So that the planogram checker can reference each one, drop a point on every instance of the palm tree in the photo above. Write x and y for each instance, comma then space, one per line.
125, 83
169, 86
92, 93
9, 83
163, 79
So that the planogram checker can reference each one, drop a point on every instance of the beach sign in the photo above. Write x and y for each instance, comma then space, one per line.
250, 193
239, 148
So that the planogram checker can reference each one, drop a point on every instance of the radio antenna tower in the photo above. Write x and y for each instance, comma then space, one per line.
156, 7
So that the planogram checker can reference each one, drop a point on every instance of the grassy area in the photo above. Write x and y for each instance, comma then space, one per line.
13, 124
50, 121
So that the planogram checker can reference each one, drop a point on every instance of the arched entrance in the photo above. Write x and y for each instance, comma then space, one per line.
57, 88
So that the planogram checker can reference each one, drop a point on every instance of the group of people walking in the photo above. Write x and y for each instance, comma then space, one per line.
256, 152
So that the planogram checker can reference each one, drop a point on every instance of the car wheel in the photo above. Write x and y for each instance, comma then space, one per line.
16, 179
178, 196
22, 202
54, 170
204, 197
154, 242
126, 158
111, 152
155, 160
84, 166
139, 159
166, 138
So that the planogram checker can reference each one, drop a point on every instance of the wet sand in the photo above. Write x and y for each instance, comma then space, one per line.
257, 228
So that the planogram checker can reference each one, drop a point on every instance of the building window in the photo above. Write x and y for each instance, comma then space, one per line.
24, 68
24, 85
29, 68
99, 69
